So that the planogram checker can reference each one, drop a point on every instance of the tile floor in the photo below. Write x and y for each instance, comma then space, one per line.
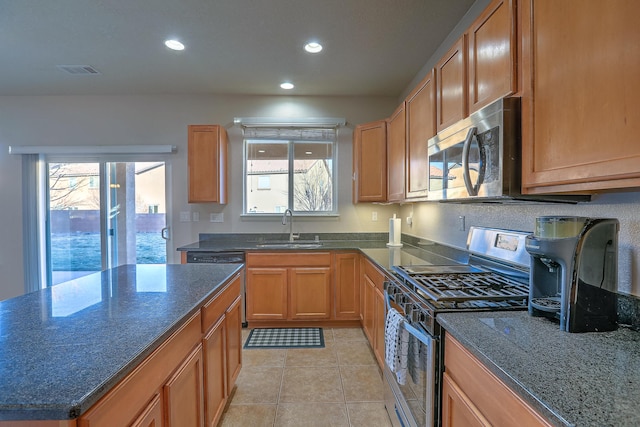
339, 385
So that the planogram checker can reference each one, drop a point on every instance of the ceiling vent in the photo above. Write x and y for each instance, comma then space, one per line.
78, 69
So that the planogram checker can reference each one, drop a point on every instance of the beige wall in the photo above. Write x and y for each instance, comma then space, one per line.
117, 120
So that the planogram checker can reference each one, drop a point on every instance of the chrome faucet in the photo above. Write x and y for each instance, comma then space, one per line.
284, 222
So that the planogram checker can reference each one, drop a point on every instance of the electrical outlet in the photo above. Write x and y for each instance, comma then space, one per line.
409, 220
374, 216
216, 217
185, 216
196, 216
461, 225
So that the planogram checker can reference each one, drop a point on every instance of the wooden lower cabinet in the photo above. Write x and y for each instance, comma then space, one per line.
186, 381
233, 347
374, 310
291, 286
368, 308
183, 393
473, 396
215, 384
310, 293
379, 320
346, 285
152, 414
457, 409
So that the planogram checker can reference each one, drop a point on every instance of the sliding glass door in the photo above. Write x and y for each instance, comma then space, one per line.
103, 214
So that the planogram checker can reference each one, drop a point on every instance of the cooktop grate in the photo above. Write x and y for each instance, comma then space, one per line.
485, 286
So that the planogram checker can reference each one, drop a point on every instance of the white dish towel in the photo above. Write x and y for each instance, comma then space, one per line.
396, 344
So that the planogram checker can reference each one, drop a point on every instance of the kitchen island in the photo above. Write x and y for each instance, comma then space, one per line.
583, 379
63, 348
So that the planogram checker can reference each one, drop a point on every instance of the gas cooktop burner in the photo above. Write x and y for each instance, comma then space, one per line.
485, 286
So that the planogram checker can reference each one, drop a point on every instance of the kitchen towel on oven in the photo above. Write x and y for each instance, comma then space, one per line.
396, 344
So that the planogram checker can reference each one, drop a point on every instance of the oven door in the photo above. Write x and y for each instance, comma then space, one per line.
413, 404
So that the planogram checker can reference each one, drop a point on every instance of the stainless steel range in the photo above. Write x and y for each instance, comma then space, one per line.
496, 278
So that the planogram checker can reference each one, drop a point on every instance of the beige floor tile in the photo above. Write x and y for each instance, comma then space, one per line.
304, 384
248, 415
327, 333
361, 383
312, 356
263, 357
368, 414
354, 353
257, 384
348, 334
312, 415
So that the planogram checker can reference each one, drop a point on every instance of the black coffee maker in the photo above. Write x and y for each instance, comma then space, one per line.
574, 266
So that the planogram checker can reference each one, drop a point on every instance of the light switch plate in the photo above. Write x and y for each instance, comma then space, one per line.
185, 216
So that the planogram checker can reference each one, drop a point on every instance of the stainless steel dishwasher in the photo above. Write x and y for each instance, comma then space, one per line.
223, 258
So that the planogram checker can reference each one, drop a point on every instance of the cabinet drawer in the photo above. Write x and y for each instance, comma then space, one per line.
216, 307
374, 274
289, 259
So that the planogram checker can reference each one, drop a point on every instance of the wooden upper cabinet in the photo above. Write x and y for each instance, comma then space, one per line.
421, 125
207, 164
580, 118
451, 84
396, 141
492, 54
370, 162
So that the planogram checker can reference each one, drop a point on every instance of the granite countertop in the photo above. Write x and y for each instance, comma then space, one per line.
64, 347
374, 245
583, 379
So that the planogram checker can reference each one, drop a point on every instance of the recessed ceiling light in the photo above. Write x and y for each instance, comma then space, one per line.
261, 151
313, 47
287, 85
174, 44
308, 153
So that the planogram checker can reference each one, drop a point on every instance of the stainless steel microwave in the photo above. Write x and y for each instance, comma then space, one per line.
478, 159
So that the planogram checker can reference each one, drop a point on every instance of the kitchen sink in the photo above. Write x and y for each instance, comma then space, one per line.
289, 245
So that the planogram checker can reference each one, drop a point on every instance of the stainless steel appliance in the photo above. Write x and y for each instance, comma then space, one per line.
478, 158
204, 257
496, 278
574, 272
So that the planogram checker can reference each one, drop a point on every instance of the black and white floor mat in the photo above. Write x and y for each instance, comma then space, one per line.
285, 338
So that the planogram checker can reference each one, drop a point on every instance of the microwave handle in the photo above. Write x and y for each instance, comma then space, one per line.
472, 190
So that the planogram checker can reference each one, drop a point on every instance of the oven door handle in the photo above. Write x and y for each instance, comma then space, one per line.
424, 338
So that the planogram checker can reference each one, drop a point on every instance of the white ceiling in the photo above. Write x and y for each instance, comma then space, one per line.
371, 47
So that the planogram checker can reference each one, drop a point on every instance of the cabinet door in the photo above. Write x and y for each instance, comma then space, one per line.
152, 414
492, 54
457, 409
370, 162
421, 125
310, 290
580, 123
347, 286
368, 309
233, 326
396, 141
215, 373
183, 393
379, 320
451, 83
207, 164
267, 293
